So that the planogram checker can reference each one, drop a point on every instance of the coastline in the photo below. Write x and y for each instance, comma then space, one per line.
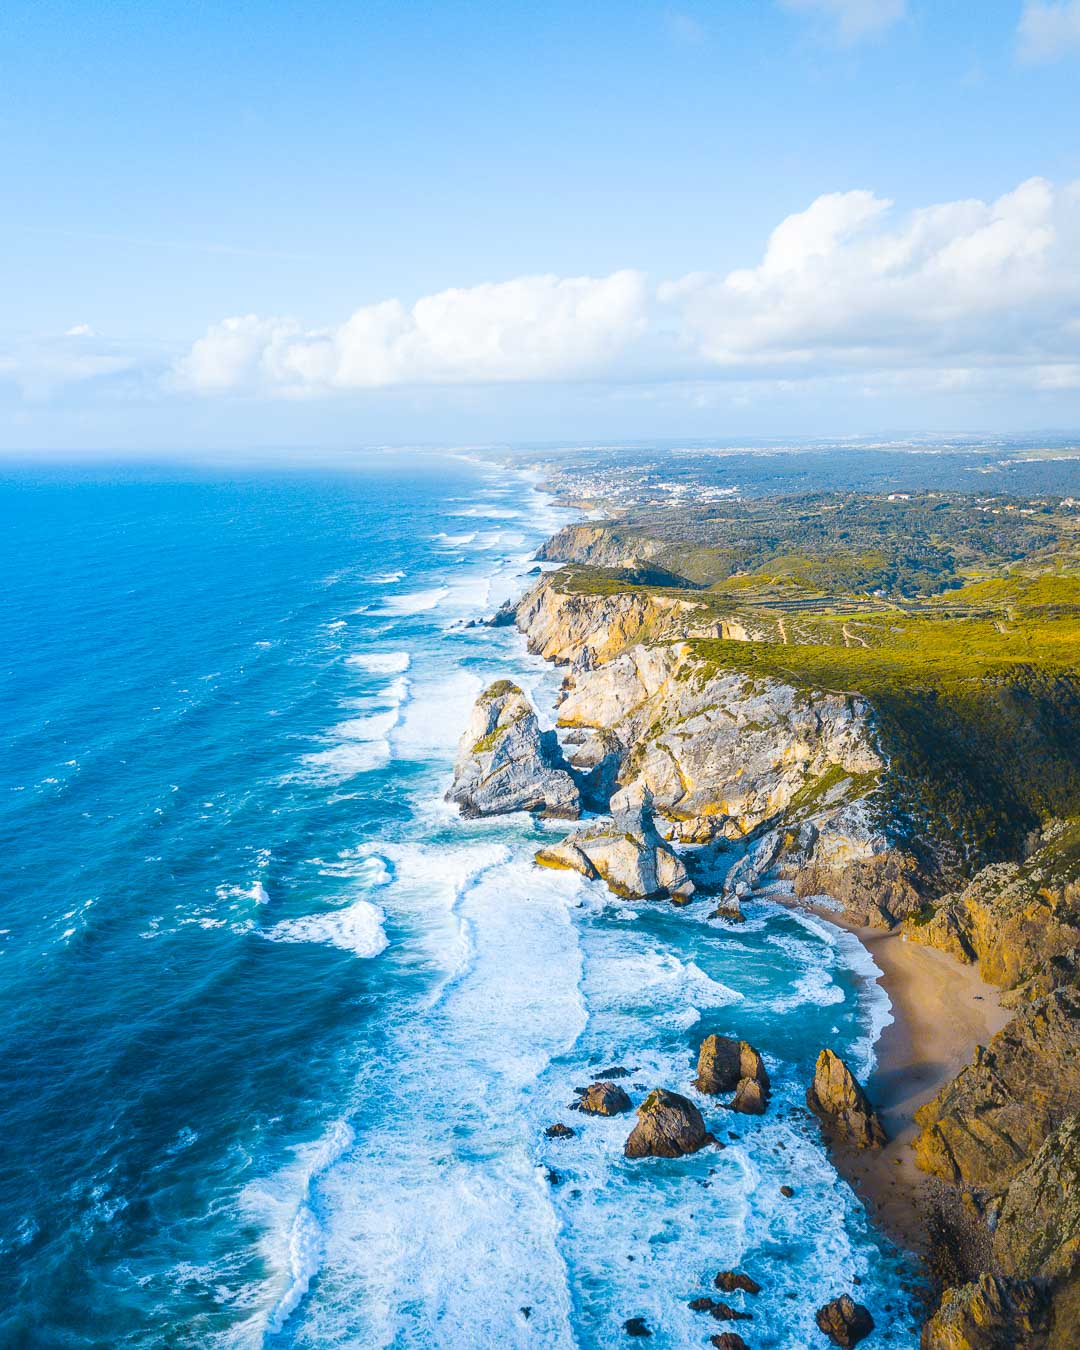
941, 1010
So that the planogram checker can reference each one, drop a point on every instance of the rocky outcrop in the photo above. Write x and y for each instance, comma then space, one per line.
720, 754
506, 763
727, 1065
722, 1312
571, 627
730, 1280
669, 1126
842, 1106
1013, 917
1038, 1226
602, 1099
991, 1314
844, 1321
983, 1127
627, 853
728, 1340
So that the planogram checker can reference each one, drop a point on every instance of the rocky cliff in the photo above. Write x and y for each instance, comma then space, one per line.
1006, 1129
571, 626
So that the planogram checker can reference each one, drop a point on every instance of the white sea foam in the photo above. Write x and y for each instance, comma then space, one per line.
385, 578
374, 728
358, 928
359, 864
434, 718
416, 602
284, 1203
342, 762
455, 540
380, 663
488, 513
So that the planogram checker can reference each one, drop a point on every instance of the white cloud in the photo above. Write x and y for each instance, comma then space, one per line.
846, 287
854, 19
1049, 30
80, 330
841, 286
532, 328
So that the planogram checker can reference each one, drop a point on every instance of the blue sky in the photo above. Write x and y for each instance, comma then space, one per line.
330, 224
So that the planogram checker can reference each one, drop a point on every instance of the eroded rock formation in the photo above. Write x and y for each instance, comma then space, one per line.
506, 763
842, 1106
625, 852
726, 1065
669, 1126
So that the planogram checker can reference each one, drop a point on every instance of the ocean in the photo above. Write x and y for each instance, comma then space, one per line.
281, 1033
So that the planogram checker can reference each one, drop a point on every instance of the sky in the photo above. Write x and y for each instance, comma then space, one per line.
271, 224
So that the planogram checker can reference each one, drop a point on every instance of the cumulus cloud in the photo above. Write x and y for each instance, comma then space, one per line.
841, 285
532, 328
846, 286
1049, 29
854, 20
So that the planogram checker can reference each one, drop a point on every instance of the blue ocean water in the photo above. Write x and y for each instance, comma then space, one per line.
280, 1033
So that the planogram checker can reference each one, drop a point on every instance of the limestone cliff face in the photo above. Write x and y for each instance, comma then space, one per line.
505, 763
597, 545
626, 852
574, 628
721, 754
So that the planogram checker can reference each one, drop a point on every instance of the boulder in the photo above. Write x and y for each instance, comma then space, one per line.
722, 1312
668, 1127
729, 1280
627, 853
842, 1106
844, 1321
728, 908
636, 1326
992, 1313
728, 1340
750, 1098
558, 1131
728, 1065
603, 1099
506, 763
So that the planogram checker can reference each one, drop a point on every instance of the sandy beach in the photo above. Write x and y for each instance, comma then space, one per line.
941, 1011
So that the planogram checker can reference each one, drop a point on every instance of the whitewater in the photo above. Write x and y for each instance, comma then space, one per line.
289, 1031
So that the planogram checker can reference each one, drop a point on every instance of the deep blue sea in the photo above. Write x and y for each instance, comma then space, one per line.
280, 1033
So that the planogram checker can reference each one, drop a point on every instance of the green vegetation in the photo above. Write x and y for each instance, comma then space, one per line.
901, 545
979, 717
957, 617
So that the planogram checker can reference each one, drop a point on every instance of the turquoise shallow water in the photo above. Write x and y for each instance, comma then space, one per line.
280, 1033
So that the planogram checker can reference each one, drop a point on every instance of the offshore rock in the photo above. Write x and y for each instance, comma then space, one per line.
505, 763
603, 1099
844, 1321
668, 1126
728, 1340
842, 1106
628, 853
722, 1312
992, 1313
727, 1065
983, 1127
730, 1280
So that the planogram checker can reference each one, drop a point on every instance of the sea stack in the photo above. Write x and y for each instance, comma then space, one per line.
506, 763
842, 1106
